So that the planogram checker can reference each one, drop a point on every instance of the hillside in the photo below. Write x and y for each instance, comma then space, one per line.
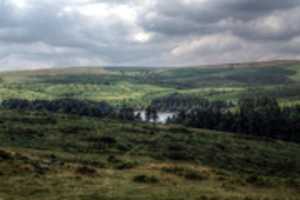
138, 86
53, 156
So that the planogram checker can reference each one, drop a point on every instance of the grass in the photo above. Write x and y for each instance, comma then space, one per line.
53, 156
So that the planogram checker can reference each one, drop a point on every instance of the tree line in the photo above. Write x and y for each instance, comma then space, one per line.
82, 108
68, 106
253, 115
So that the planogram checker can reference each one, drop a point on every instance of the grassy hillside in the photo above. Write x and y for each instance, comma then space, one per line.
52, 156
138, 86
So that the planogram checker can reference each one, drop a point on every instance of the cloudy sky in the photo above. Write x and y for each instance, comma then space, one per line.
52, 33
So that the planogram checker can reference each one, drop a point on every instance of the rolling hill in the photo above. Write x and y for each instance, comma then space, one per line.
138, 86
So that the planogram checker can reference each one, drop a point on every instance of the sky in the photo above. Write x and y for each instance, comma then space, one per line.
56, 33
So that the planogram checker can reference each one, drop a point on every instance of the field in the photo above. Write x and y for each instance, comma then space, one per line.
50, 156
138, 86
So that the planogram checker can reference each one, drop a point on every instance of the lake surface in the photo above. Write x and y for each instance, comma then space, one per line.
162, 116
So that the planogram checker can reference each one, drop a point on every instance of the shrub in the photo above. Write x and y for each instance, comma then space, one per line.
179, 151
185, 172
113, 159
87, 171
41, 168
146, 179
293, 182
4, 155
108, 140
258, 180
120, 163
123, 165
124, 147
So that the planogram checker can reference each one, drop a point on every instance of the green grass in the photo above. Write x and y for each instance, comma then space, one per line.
53, 156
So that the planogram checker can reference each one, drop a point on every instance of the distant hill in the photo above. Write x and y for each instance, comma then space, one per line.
58, 71
271, 63
105, 69
140, 85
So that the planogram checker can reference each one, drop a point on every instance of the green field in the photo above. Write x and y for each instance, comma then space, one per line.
50, 156
138, 86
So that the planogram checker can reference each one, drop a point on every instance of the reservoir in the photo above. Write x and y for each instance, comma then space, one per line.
162, 116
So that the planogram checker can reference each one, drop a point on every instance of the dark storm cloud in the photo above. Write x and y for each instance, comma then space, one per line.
146, 32
204, 17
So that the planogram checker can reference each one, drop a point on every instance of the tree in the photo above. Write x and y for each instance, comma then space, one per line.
151, 114
127, 114
259, 115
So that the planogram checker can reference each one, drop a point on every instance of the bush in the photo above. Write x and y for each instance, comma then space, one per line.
293, 182
126, 165
121, 164
179, 155
4, 155
108, 140
146, 179
258, 180
185, 172
180, 152
87, 171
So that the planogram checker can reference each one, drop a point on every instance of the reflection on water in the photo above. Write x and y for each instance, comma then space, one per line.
162, 116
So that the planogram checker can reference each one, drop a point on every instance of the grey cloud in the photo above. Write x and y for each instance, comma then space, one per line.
232, 30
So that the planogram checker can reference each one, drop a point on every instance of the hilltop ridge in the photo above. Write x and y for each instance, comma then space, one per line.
105, 69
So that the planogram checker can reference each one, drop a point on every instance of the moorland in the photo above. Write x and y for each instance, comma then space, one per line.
60, 151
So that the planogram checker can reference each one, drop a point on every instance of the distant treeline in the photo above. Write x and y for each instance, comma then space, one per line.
69, 106
254, 115
75, 107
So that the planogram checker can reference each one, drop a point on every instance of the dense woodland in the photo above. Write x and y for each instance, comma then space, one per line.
254, 115
68, 106
75, 107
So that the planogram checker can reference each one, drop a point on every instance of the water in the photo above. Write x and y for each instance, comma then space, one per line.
162, 116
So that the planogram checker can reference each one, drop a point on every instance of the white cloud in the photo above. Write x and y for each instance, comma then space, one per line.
194, 1
105, 10
21, 4
208, 44
142, 37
